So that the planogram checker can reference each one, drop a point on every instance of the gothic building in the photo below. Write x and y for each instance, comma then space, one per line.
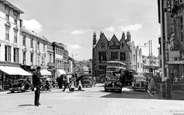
106, 50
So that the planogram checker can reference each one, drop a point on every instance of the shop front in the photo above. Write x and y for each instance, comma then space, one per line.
176, 75
9, 73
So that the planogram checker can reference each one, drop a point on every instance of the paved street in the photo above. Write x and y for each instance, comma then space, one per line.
92, 101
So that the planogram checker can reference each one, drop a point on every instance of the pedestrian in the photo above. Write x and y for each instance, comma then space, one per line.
66, 82
37, 85
47, 85
122, 76
152, 85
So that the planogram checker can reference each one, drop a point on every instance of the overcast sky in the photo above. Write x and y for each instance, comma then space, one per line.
73, 22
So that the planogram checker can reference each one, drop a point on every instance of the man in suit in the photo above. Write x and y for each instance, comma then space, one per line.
37, 85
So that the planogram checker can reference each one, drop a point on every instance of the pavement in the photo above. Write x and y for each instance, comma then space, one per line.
91, 101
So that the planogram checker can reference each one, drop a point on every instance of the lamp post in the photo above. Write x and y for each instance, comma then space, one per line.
150, 53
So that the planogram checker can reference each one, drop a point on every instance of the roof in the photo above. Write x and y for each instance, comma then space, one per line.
11, 6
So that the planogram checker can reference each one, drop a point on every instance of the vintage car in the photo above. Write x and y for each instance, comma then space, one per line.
19, 85
87, 80
139, 83
112, 82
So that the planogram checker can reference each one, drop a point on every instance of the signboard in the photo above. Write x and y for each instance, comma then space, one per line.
8, 43
59, 56
114, 47
176, 62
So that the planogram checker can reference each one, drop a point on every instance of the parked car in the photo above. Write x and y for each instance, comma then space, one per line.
20, 85
112, 82
87, 80
139, 82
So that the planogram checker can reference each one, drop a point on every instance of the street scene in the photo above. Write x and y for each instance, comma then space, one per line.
91, 57
92, 101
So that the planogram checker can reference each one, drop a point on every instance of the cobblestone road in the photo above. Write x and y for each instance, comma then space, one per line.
92, 101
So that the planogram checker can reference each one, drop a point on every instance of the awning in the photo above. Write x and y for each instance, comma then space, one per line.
60, 72
45, 72
14, 71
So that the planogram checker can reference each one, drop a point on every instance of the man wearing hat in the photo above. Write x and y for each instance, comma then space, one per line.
37, 85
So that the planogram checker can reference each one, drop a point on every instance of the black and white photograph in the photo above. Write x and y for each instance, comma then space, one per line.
91, 57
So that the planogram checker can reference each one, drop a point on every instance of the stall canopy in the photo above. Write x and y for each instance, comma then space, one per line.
14, 71
60, 72
45, 72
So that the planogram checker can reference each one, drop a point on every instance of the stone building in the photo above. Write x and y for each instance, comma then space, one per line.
105, 50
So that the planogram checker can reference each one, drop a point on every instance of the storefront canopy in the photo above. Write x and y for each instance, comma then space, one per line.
14, 71
45, 72
60, 72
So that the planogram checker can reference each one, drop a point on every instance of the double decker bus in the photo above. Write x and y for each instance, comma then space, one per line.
112, 81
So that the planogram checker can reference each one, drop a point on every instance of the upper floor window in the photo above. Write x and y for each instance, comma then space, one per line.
122, 45
24, 40
31, 42
16, 55
50, 58
15, 36
102, 56
122, 56
24, 57
43, 47
8, 53
102, 45
31, 58
7, 11
114, 55
15, 17
38, 45
7, 32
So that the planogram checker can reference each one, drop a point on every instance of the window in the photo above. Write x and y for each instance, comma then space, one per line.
8, 53
7, 10
102, 69
122, 56
102, 45
114, 55
38, 45
7, 32
38, 59
16, 55
50, 57
31, 54
44, 47
102, 56
24, 40
24, 57
122, 45
15, 17
31, 42
15, 36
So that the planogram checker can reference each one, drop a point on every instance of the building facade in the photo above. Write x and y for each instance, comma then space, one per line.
105, 50
10, 46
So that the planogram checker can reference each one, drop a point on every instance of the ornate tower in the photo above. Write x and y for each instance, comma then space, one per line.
128, 36
94, 39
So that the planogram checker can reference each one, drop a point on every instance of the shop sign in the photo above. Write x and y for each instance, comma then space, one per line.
59, 56
50, 64
114, 47
8, 43
175, 62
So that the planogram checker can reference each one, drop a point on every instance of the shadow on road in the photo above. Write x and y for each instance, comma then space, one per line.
26, 105
127, 92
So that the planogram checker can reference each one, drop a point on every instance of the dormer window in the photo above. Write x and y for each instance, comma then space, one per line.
102, 45
122, 45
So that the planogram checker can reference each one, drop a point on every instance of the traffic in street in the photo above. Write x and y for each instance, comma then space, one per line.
88, 101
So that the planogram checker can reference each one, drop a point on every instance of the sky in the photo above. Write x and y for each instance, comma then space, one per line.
73, 22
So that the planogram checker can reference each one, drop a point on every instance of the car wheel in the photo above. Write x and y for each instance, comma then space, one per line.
134, 89
106, 90
12, 91
119, 90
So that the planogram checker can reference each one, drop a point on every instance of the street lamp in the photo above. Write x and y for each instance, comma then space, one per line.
149, 43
